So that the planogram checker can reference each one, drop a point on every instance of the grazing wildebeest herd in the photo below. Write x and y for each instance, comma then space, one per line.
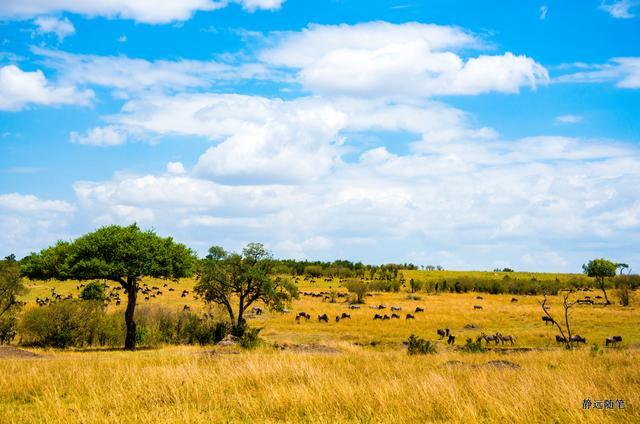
489, 339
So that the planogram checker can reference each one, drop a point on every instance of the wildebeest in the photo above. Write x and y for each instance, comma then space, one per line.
323, 317
409, 316
382, 307
337, 318
451, 340
303, 315
385, 317
396, 308
395, 316
440, 333
613, 340
419, 309
578, 339
377, 316
547, 320
513, 299
560, 339
585, 302
479, 297
354, 306
345, 315
477, 307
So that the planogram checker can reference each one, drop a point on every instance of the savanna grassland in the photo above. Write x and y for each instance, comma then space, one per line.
355, 370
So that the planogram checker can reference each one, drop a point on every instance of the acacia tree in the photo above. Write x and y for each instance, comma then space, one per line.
10, 287
243, 279
600, 269
123, 255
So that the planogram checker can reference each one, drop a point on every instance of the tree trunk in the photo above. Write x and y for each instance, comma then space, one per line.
130, 339
604, 291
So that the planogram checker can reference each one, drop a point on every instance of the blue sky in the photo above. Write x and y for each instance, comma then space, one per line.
469, 134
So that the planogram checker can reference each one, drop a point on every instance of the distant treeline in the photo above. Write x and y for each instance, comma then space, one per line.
341, 269
520, 286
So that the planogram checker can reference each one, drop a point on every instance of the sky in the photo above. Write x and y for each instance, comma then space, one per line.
468, 134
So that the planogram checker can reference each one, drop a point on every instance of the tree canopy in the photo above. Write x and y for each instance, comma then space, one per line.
120, 254
10, 287
600, 269
243, 279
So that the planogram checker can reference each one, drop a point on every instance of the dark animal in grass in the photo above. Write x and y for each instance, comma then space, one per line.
337, 318
303, 315
613, 340
451, 340
395, 316
547, 320
440, 333
377, 316
477, 307
385, 317
396, 308
419, 309
323, 317
186, 308
345, 315
578, 339
479, 297
560, 339
409, 316
256, 310
513, 299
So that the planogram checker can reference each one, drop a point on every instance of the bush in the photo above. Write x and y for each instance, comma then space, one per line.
63, 324
250, 339
418, 346
623, 295
8, 326
93, 291
358, 288
473, 347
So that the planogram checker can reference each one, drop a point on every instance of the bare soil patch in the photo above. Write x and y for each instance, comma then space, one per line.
14, 352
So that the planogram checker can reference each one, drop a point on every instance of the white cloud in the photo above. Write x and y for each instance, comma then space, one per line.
147, 11
28, 223
625, 71
101, 136
122, 39
568, 119
175, 168
28, 203
620, 9
19, 88
407, 60
62, 28
135, 75
543, 12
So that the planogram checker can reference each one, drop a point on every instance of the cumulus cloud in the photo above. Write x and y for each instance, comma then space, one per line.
28, 222
147, 11
100, 136
389, 60
19, 88
620, 9
61, 27
175, 168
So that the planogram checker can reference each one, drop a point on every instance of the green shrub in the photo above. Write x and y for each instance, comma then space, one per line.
93, 291
250, 339
62, 324
418, 346
8, 327
473, 346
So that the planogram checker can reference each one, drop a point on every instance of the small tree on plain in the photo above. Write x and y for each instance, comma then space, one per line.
123, 255
10, 287
415, 285
358, 288
93, 291
601, 269
243, 278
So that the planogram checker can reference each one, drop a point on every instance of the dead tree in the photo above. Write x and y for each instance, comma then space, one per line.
566, 305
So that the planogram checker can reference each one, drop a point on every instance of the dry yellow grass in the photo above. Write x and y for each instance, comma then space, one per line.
360, 383
184, 384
